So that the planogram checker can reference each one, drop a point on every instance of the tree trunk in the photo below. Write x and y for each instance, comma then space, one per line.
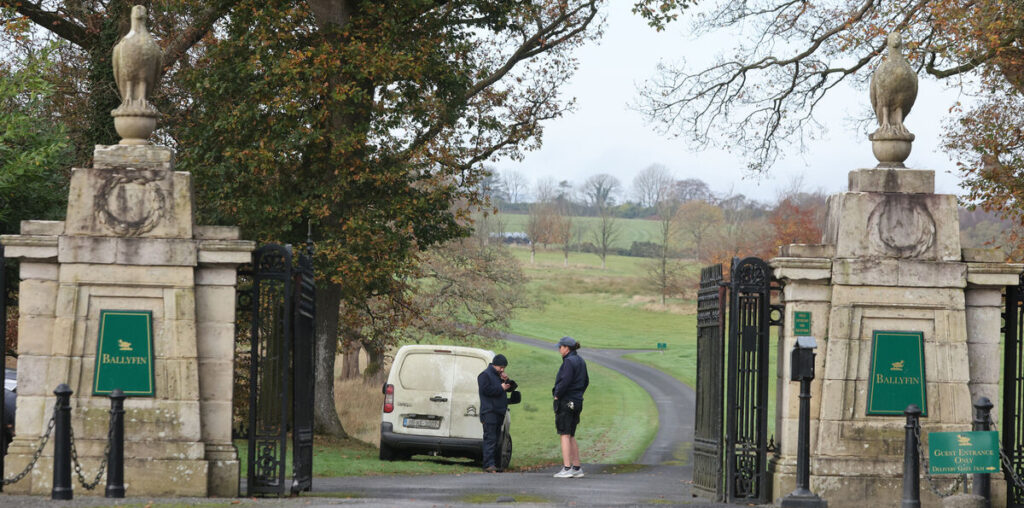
350, 361
325, 414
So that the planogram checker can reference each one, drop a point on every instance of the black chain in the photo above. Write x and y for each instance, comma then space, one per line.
1007, 463
103, 464
924, 467
38, 452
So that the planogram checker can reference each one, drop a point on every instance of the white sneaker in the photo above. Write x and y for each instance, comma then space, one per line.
564, 473
576, 472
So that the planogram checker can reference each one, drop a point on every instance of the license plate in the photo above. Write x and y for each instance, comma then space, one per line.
422, 423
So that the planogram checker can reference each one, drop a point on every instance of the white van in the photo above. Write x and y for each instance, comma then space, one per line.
432, 404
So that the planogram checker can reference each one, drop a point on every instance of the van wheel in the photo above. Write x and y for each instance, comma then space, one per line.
387, 453
505, 453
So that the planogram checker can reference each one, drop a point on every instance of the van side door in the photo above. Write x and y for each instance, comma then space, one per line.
465, 415
424, 401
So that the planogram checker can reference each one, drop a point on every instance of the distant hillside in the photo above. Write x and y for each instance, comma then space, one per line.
630, 230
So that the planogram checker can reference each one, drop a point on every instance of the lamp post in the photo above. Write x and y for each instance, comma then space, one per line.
802, 369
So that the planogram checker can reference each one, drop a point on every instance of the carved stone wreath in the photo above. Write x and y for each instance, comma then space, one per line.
131, 202
902, 226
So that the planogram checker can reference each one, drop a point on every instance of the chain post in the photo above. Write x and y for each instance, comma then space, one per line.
982, 482
62, 445
115, 475
911, 480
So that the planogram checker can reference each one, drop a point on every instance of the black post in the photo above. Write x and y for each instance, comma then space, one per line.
115, 463
802, 368
982, 486
911, 469
803, 458
62, 445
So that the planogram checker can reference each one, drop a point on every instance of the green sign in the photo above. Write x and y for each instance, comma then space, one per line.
801, 323
124, 353
662, 345
897, 373
963, 452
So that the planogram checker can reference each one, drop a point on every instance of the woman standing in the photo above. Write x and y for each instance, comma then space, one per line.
571, 382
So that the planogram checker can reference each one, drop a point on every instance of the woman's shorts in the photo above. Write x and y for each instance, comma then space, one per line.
567, 416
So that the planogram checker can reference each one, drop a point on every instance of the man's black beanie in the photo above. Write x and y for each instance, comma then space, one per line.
500, 361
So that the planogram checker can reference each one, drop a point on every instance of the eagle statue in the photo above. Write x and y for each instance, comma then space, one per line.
137, 64
893, 91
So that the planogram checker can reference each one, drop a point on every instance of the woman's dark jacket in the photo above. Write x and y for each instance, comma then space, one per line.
572, 379
492, 396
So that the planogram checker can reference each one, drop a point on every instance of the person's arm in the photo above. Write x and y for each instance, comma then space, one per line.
565, 375
488, 387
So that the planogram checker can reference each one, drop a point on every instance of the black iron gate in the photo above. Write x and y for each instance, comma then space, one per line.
3, 362
276, 298
731, 463
707, 434
1012, 425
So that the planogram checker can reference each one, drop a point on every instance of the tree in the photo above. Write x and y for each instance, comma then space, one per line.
663, 271
649, 184
761, 98
463, 288
798, 216
35, 154
696, 219
693, 189
563, 229
515, 184
600, 192
744, 231
368, 120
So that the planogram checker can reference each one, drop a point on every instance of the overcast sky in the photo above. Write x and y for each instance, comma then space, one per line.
604, 135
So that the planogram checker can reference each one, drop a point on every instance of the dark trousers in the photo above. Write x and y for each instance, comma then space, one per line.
492, 426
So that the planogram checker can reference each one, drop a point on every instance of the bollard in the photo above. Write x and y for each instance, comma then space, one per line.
62, 445
911, 479
982, 485
115, 462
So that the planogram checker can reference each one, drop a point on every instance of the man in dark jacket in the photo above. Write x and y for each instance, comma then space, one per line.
570, 383
492, 384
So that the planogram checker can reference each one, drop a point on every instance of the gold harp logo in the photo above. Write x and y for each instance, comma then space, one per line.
124, 345
897, 366
963, 440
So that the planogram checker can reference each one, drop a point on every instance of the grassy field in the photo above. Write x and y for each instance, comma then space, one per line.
602, 308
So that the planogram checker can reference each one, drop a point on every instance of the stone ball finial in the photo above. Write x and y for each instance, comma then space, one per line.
893, 92
137, 61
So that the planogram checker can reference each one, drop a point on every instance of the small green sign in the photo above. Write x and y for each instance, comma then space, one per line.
662, 345
124, 353
897, 373
963, 452
801, 322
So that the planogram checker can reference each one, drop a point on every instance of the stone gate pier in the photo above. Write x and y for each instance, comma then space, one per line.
128, 293
902, 315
